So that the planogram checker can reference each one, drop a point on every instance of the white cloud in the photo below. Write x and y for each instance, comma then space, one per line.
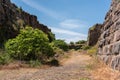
70, 38
41, 8
68, 35
75, 39
68, 24
63, 31
72, 24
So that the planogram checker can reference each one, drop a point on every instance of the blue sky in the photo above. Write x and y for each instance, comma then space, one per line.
68, 19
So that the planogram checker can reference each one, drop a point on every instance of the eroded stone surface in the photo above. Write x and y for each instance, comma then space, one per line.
94, 34
13, 18
109, 36
109, 42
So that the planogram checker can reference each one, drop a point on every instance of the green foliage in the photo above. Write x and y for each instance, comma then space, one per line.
51, 36
60, 44
34, 63
92, 51
85, 47
77, 45
84, 79
58, 51
19, 9
29, 44
81, 42
4, 59
72, 43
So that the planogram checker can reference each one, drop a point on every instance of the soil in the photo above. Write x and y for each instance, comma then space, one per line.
73, 67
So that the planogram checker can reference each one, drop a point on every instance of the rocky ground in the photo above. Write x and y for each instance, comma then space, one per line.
75, 67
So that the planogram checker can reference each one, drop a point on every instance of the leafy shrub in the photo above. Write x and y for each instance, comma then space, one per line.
71, 43
34, 63
4, 59
51, 36
85, 47
56, 49
59, 51
29, 44
81, 42
60, 44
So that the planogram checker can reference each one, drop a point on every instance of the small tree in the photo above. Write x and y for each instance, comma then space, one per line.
30, 44
72, 43
81, 42
60, 44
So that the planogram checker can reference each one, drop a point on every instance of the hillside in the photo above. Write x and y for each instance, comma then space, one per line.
13, 18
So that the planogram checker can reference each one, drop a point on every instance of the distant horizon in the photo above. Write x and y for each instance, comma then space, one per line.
69, 20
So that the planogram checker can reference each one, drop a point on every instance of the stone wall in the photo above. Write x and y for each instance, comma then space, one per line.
94, 34
12, 19
109, 42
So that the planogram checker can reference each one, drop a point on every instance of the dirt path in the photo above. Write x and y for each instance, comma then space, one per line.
74, 68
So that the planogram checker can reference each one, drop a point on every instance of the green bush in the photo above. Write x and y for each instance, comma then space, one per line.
5, 59
34, 63
51, 36
81, 42
85, 47
29, 44
60, 44
71, 43
59, 51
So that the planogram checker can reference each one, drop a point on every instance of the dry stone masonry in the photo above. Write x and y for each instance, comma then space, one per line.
109, 41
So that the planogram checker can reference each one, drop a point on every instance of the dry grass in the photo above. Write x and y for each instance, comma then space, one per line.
100, 71
92, 51
18, 65
66, 57
84, 79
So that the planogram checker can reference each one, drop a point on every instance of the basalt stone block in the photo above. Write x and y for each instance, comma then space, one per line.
100, 51
109, 41
101, 43
107, 59
116, 49
117, 36
105, 50
115, 62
